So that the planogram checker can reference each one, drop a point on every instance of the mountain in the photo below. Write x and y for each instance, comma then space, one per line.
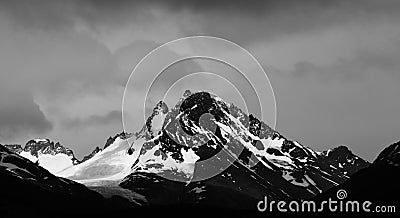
108, 165
52, 156
389, 156
30, 190
94, 152
378, 183
109, 142
174, 161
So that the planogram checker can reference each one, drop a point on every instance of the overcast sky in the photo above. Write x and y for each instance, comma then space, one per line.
334, 65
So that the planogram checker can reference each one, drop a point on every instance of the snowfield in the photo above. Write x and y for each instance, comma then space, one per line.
53, 163
111, 164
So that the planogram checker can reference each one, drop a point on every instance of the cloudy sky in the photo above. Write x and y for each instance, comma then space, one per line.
334, 65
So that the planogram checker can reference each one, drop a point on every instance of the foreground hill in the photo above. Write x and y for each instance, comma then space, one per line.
28, 190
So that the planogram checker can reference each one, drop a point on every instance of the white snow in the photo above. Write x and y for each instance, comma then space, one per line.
273, 143
52, 163
110, 164
156, 164
55, 163
157, 122
28, 156
199, 190
38, 140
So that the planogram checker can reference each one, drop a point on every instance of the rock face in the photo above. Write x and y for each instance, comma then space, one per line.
203, 133
94, 152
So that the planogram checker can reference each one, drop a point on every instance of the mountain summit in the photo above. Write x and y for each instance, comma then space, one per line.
52, 156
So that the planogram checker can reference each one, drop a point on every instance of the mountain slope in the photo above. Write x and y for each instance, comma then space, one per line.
108, 165
29, 190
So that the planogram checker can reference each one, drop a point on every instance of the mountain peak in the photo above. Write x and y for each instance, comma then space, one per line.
341, 150
155, 121
201, 125
187, 93
39, 140
390, 155
52, 156
45, 146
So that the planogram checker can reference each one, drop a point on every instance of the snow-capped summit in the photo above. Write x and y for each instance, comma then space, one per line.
40, 140
52, 156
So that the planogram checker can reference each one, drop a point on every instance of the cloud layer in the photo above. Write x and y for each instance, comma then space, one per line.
21, 116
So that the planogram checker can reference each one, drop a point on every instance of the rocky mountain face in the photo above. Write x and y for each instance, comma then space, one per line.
202, 133
37, 147
94, 152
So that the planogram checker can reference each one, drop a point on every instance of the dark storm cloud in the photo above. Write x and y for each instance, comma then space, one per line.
229, 18
94, 120
242, 6
21, 115
55, 64
37, 60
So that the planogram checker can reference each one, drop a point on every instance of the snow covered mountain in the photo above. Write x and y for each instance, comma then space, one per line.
52, 156
176, 142
29, 190
110, 164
